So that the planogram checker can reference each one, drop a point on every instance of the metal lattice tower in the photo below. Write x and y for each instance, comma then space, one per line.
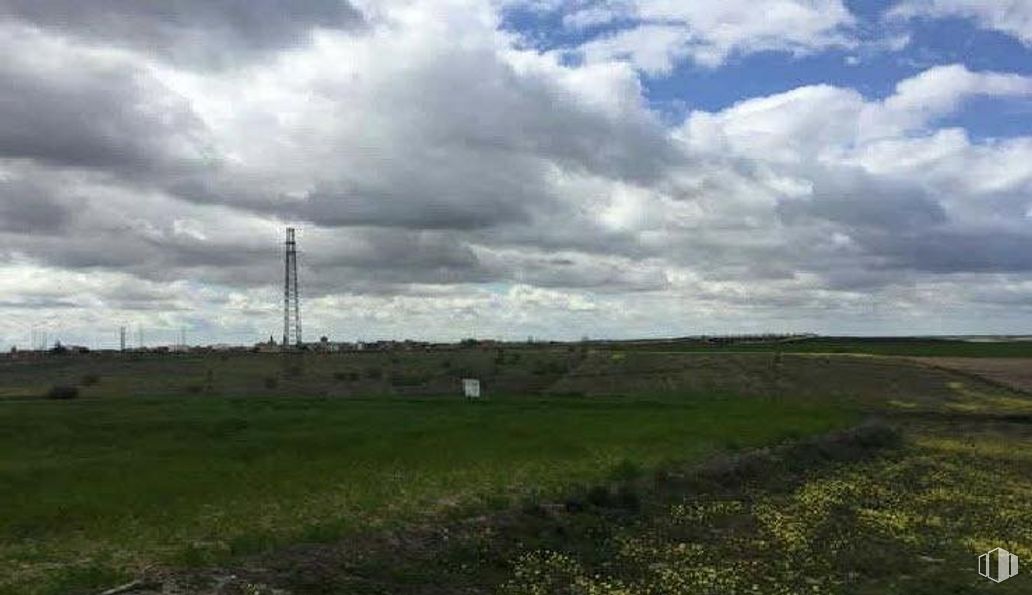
291, 295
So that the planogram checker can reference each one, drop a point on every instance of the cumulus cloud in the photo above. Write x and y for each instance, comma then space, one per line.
191, 32
663, 33
898, 194
67, 105
449, 181
1011, 17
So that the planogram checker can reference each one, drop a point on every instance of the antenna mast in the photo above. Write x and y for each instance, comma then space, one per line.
291, 295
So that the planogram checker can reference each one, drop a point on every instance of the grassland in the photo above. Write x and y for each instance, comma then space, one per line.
169, 463
912, 521
889, 346
99, 488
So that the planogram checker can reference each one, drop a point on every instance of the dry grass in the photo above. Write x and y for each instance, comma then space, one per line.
1015, 373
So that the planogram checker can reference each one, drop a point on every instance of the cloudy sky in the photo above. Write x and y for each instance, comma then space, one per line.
505, 168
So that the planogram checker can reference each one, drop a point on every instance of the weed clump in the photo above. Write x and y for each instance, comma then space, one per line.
271, 382
63, 393
551, 368
599, 496
89, 379
626, 470
407, 380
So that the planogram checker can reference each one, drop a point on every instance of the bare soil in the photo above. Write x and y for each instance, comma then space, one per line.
1013, 373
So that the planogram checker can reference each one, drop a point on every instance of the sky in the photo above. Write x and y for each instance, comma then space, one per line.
514, 168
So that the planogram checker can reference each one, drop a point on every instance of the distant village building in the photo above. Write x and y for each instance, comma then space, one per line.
270, 346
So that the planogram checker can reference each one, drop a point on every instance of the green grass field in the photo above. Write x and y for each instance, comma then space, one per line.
871, 346
192, 461
94, 489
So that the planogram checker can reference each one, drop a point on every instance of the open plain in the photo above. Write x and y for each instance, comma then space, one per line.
584, 469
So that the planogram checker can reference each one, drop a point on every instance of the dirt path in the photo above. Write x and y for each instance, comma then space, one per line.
1014, 373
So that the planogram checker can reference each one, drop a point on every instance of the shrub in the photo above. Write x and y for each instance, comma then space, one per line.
549, 368
626, 470
533, 508
271, 382
627, 498
63, 392
375, 373
89, 379
599, 496
407, 380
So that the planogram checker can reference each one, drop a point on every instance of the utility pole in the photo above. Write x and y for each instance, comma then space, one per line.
121, 338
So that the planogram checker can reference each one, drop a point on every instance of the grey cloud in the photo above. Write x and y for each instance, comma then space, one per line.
190, 32
857, 200
26, 207
37, 303
961, 250
899, 225
87, 113
463, 141
424, 172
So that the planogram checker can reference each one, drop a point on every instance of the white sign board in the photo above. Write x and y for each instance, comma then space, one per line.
471, 388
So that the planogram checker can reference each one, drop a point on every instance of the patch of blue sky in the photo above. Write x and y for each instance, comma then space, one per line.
873, 68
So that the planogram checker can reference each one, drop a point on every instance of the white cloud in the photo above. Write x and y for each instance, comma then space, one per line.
1011, 17
710, 32
449, 182
909, 197
816, 123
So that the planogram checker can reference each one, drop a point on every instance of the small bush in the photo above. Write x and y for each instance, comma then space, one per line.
346, 376
599, 496
63, 392
194, 388
374, 373
626, 470
533, 508
550, 368
89, 379
407, 380
627, 498
294, 371
271, 382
